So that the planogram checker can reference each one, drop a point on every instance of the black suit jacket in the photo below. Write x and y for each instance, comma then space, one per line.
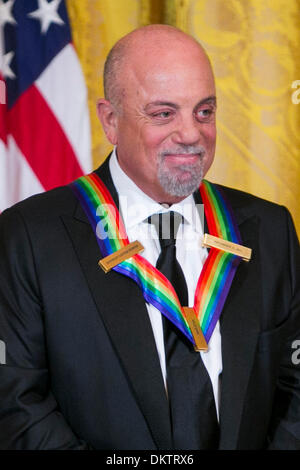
82, 370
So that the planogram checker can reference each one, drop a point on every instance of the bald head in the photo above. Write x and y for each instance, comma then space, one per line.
159, 110
139, 49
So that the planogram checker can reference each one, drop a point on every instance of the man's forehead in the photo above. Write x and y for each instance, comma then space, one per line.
161, 71
167, 72
172, 86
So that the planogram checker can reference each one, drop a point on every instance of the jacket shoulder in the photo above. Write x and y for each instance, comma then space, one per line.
251, 205
46, 205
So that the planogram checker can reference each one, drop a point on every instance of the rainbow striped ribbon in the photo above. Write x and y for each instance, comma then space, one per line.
218, 270
220, 267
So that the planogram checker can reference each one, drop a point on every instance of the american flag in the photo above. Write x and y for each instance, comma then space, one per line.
44, 119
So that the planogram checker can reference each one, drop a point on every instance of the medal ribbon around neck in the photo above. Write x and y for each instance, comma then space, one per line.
215, 278
220, 267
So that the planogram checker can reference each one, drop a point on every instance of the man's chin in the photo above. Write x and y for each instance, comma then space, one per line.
180, 185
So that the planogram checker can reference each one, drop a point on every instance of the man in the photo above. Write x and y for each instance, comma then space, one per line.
88, 362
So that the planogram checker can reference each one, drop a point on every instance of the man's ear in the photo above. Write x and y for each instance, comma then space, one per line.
108, 118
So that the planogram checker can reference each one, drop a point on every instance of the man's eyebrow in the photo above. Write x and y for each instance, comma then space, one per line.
161, 103
208, 100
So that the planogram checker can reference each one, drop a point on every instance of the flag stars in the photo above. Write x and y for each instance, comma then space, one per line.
47, 14
6, 70
6, 13
6, 17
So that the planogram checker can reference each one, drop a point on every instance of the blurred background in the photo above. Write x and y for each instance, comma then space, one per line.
254, 47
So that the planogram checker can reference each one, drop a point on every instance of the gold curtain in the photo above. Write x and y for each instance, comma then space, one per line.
254, 47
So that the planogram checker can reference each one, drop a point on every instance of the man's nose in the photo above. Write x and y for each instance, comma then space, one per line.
188, 132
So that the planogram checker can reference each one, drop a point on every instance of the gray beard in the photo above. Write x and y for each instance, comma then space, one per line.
172, 183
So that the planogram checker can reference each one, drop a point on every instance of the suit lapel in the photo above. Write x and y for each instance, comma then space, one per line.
122, 308
239, 323
239, 332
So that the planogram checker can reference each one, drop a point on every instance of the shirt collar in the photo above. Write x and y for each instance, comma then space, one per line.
136, 206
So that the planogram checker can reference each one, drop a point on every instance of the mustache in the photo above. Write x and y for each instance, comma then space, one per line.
185, 150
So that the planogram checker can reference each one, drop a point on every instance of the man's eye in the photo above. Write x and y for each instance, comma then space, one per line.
163, 115
205, 113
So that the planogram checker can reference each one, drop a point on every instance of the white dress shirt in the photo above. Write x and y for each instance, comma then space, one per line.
135, 208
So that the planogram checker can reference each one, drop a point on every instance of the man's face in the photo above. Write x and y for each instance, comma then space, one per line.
165, 132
